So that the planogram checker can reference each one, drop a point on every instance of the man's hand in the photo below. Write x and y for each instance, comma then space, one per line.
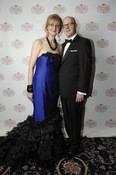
79, 97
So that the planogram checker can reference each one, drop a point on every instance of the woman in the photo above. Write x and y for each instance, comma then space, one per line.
39, 136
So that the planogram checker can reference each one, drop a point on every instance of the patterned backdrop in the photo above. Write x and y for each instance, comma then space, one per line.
22, 21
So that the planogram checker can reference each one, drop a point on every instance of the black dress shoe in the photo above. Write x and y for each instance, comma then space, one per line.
72, 153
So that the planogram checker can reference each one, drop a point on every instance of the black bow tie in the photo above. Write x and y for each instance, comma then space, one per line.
68, 41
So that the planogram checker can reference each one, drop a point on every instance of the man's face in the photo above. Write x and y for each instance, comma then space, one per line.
69, 27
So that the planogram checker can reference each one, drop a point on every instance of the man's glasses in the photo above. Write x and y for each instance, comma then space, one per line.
68, 25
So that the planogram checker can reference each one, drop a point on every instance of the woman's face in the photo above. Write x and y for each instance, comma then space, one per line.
53, 27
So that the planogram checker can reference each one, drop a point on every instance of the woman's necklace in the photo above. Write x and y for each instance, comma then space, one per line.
50, 44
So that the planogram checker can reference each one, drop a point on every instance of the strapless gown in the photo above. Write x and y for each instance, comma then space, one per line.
39, 136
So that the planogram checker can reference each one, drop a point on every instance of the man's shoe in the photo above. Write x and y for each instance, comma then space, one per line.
72, 153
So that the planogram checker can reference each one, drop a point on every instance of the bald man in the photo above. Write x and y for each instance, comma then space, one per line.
74, 79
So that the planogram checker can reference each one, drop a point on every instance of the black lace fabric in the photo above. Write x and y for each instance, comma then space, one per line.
42, 141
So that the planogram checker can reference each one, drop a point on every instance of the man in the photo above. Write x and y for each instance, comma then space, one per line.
74, 79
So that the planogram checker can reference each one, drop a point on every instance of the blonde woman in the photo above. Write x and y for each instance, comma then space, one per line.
39, 136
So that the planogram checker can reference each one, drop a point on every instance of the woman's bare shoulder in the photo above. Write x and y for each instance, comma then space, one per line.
38, 43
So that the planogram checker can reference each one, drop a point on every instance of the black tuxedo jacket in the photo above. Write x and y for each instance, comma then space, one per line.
75, 68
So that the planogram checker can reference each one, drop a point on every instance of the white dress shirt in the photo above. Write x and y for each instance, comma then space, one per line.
68, 44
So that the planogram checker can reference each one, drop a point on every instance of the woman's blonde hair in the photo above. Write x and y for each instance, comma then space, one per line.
54, 17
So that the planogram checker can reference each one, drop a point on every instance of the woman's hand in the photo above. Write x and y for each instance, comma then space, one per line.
30, 96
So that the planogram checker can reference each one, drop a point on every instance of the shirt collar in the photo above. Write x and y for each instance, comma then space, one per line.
73, 36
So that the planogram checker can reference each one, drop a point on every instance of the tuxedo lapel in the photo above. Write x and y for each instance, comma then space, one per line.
63, 46
71, 47
67, 51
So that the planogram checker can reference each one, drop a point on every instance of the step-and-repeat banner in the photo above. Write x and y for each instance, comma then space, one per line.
22, 21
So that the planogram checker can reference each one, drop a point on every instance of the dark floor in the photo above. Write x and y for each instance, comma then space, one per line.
97, 156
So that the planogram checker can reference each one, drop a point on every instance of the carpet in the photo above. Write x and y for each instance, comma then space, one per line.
97, 156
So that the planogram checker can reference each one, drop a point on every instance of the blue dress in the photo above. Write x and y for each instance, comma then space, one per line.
45, 86
39, 136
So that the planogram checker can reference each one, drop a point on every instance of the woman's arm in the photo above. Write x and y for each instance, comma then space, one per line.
36, 47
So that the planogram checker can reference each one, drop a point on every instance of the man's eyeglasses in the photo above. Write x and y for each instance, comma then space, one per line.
68, 25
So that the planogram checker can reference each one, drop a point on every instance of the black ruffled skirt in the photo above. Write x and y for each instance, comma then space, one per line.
42, 141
